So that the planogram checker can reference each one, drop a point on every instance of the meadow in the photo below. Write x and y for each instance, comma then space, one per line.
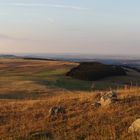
29, 88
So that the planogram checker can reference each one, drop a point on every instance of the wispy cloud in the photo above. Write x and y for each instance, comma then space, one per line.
46, 5
7, 37
50, 20
3, 36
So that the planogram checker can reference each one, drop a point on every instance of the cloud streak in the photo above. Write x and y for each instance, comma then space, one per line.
50, 20
6, 37
46, 5
3, 36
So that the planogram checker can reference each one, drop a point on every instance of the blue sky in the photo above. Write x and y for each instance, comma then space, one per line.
70, 26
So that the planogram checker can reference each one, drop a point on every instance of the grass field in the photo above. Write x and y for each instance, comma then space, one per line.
32, 79
29, 88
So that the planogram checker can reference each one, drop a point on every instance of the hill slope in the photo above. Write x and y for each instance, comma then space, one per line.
20, 119
29, 88
94, 71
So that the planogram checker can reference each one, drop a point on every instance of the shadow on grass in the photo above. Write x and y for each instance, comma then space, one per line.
66, 83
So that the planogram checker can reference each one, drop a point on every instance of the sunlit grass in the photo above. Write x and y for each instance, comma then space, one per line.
28, 89
20, 118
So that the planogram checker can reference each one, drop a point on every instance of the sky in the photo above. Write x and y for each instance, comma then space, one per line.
70, 26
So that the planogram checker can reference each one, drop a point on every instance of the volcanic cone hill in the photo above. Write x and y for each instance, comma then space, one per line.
92, 71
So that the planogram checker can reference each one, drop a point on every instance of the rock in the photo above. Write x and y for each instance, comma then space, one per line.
108, 99
41, 135
98, 96
96, 105
135, 127
56, 110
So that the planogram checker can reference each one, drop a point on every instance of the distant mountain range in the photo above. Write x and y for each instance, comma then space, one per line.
8, 56
130, 61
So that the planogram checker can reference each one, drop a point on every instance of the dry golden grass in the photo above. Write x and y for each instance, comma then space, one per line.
20, 118
25, 104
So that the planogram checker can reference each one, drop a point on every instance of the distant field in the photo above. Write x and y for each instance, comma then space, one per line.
21, 79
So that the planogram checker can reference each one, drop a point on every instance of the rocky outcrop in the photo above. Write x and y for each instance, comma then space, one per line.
41, 135
96, 105
55, 110
135, 127
108, 99
105, 99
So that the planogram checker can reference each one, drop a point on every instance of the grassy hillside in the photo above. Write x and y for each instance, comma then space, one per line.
92, 71
43, 78
18, 119
28, 89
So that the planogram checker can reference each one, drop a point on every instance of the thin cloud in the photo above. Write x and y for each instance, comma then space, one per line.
6, 37
50, 20
46, 5
2, 36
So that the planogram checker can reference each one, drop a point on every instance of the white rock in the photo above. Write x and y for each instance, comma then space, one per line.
108, 99
55, 110
135, 127
96, 105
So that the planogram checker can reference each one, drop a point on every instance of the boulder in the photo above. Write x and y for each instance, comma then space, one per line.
98, 96
55, 110
41, 135
135, 127
108, 99
96, 104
